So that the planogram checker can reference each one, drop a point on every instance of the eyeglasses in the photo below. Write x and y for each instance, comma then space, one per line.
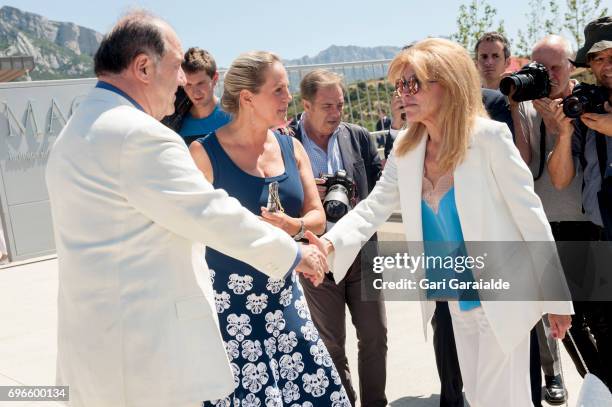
411, 86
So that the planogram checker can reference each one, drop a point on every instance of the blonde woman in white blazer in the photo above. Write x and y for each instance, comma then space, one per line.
452, 147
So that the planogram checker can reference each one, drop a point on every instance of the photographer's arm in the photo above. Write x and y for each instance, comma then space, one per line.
521, 130
561, 161
521, 121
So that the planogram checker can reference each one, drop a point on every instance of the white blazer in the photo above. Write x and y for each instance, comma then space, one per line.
136, 319
495, 201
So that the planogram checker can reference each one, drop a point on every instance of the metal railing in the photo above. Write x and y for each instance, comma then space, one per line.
367, 91
13, 67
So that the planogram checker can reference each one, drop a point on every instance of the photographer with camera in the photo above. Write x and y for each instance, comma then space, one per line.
531, 90
346, 166
586, 145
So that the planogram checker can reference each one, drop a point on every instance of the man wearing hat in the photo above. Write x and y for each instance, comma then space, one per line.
592, 148
597, 55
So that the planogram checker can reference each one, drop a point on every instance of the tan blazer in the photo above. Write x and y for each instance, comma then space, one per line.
495, 202
131, 211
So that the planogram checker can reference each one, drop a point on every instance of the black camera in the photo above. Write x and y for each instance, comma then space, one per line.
340, 195
529, 83
585, 99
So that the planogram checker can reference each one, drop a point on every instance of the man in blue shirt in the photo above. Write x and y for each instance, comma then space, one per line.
198, 110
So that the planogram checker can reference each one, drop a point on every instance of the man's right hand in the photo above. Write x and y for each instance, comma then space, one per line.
313, 264
562, 123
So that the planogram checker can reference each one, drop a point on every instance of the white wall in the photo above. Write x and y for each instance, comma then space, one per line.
31, 116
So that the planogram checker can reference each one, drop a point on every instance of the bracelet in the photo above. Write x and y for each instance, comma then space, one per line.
300, 234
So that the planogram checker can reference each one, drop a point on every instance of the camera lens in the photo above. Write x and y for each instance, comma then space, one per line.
334, 210
506, 85
336, 203
573, 107
529, 83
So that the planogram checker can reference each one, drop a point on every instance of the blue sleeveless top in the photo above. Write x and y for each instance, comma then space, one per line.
251, 190
442, 236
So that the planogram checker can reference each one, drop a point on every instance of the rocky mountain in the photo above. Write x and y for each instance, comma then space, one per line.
60, 49
348, 53
64, 50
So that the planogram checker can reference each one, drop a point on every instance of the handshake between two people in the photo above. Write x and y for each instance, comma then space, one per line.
313, 264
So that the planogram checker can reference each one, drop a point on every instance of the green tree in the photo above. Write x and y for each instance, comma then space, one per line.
578, 15
542, 20
475, 19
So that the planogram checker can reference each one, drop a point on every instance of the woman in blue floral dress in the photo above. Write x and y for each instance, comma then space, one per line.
275, 352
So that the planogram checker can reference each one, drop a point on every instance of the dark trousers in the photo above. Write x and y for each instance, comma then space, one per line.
591, 330
592, 321
451, 384
327, 304
534, 368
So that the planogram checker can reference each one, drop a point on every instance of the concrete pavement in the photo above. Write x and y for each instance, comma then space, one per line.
28, 313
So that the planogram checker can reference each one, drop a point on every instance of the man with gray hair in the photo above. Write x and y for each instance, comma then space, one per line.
333, 147
537, 132
136, 319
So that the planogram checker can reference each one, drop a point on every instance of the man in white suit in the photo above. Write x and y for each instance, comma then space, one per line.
135, 322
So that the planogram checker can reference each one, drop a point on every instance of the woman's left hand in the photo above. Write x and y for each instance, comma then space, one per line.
281, 220
559, 324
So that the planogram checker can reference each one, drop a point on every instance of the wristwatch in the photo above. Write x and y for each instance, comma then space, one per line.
300, 234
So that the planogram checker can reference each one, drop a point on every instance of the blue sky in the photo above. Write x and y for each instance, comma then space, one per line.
290, 28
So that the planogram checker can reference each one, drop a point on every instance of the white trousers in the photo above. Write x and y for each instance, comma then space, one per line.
491, 378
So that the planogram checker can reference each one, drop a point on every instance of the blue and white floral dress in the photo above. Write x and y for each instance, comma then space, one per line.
275, 351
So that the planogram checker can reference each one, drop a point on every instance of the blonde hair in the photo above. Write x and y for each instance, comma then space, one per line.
247, 72
448, 63
317, 79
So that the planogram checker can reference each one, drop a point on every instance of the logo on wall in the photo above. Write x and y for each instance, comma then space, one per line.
30, 126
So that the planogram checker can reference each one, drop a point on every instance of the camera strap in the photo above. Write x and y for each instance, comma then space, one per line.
542, 150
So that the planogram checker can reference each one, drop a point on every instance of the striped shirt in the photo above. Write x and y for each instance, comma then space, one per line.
322, 162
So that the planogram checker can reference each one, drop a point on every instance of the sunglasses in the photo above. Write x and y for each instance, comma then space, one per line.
411, 86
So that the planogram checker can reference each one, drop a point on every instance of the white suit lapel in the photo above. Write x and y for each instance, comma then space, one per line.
468, 178
410, 180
